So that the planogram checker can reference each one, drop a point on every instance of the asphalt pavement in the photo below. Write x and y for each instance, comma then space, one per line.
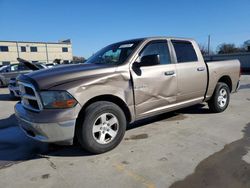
186, 148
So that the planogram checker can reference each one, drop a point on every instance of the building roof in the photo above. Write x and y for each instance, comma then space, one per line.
68, 41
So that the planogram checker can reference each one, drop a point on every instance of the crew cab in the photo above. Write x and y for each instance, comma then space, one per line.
120, 84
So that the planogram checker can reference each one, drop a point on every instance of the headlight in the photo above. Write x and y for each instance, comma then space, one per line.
57, 99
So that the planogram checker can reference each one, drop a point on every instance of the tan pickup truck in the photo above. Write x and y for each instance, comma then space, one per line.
122, 83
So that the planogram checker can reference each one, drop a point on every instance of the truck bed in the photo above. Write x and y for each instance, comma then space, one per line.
227, 69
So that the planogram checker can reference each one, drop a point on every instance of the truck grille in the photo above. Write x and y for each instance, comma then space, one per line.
29, 96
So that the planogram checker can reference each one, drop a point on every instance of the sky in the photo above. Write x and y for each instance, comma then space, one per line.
94, 24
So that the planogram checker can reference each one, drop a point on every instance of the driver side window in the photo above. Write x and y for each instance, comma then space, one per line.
158, 48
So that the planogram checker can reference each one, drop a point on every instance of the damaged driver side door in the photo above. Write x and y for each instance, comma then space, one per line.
154, 79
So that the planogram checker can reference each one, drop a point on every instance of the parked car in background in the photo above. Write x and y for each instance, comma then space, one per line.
10, 71
13, 88
13, 70
2, 67
50, 65
29, 66
122, 83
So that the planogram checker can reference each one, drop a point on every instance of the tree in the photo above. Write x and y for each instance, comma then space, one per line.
78, 59
229, 48
203, 49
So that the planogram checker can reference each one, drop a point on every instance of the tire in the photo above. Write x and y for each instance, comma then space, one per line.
220, 99
102, 127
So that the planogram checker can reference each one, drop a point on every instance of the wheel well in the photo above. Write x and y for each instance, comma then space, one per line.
109, 98
226, 80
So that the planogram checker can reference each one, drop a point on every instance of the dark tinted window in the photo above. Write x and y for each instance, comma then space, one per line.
23, 49
64, 49
184, 51
33, 49
4, 48
66, 62
5, 63
157, 48
22, 68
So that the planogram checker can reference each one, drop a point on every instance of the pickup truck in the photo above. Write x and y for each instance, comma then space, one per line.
122, 83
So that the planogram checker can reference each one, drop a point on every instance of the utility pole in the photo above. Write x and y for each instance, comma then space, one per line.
208, 44
17, 48
47, 55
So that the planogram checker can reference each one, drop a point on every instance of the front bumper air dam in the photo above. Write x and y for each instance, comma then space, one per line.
54, 132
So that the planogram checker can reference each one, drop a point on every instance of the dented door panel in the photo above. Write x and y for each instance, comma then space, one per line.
154, 87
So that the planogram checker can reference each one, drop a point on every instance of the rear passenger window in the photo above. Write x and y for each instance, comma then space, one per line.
157, 48
184, 51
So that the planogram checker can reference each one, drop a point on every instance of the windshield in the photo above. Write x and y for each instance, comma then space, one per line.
114, 54
3, 68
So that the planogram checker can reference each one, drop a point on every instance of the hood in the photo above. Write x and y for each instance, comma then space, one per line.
61, 74
28, 64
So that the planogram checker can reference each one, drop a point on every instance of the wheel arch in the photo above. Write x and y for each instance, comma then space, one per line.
110, 98
227, 80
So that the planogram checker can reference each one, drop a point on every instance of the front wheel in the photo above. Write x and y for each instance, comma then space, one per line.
220, 99
102, 127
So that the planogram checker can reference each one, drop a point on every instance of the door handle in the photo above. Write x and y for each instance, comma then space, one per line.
200, 68
169, 73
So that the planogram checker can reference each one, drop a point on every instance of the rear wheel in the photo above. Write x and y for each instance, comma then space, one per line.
102, 127
220, 99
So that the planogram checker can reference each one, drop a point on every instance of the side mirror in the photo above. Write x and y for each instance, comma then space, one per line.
150, 60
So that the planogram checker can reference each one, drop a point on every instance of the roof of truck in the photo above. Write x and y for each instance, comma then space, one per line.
156, 38
168, 37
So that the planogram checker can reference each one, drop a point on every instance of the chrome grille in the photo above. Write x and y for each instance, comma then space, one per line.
29, 96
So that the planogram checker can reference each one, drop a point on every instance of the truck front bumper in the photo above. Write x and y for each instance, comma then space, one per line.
56, 129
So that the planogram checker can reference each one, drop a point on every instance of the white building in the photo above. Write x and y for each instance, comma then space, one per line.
45, 52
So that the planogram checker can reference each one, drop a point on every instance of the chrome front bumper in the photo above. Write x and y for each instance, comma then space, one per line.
55, 132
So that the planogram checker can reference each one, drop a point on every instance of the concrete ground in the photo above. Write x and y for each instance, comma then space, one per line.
187, 148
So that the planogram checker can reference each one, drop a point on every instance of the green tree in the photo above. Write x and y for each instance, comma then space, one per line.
228, 48
78, 59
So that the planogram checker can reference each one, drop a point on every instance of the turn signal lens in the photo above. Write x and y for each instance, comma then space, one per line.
64, 104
